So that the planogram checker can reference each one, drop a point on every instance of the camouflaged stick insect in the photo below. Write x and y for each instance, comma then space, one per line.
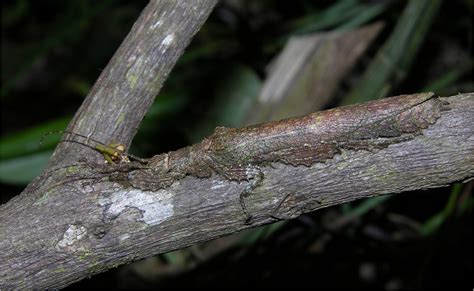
240, 154
114, 154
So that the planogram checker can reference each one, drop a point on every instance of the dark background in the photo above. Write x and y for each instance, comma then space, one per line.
53, 51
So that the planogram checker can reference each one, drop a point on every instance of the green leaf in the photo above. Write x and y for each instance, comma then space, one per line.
28, 141
367, 205
165, 104
261, 233
394, 59
178, 257
437, 220
447, 79
364, 15
342, 15
22, 170
235, 95
337, 13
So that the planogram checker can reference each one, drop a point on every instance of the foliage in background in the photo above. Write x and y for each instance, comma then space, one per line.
52, 52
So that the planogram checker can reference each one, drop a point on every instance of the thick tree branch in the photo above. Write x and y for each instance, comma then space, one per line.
80, 220
84, 219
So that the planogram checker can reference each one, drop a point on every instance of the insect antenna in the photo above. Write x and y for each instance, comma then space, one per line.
122, 153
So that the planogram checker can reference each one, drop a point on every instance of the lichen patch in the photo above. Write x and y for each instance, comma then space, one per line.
73, 234
155, 207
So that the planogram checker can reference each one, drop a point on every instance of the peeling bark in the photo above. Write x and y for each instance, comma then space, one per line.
82, 219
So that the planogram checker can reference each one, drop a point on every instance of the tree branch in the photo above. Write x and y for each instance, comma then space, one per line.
84, 219
128, 85
79, 220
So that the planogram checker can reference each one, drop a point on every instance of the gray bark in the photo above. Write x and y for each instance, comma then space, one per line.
73, 222
58, 232
128, 85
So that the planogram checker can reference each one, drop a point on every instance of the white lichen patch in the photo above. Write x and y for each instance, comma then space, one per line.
73, 234
155, 207
167, 41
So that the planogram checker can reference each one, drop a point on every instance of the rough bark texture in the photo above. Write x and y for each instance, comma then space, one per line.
128, 85
80, 218
84, 219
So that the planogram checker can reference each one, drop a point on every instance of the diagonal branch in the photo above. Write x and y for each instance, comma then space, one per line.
80, 220
126, 88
